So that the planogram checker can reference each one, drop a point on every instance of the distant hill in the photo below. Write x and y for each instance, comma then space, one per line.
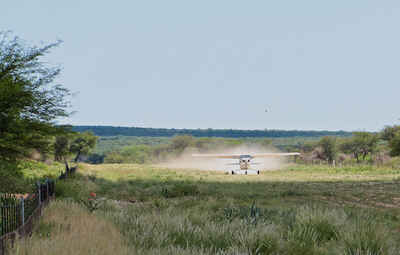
231, 133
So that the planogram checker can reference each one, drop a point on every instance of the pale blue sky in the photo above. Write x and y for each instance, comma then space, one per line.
199, 64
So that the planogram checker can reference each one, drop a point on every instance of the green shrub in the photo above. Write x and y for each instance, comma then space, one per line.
76, 188
12, 179
67, 189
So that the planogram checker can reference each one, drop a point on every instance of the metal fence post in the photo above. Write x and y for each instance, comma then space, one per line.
40, 195
2, 220
23, 211
47, 189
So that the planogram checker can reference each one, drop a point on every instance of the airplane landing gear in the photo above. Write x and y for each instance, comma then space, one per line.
245, 172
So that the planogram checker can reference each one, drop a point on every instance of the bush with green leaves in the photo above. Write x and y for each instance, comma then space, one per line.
30, 98
21, 176
329, 148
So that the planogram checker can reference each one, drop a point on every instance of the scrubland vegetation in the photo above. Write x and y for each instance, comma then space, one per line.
341, 196
360, 148
300, 209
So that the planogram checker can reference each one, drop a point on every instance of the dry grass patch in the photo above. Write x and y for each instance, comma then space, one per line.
67, 228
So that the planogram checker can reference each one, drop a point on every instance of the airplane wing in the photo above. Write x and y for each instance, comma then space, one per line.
237, 156
234, 156
267, 155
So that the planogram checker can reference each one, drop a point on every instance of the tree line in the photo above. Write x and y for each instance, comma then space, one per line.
360, 147
227, 133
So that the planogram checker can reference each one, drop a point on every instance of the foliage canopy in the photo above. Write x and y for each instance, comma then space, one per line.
329, 148
30, 98
82, 144
361, 144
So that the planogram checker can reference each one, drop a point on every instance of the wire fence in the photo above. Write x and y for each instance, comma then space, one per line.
18, 212
10, 211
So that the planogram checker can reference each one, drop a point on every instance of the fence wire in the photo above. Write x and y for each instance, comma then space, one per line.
17, 212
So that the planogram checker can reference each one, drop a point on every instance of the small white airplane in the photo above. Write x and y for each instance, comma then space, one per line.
244, 160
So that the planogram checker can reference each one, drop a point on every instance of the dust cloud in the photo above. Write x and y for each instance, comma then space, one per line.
187, 161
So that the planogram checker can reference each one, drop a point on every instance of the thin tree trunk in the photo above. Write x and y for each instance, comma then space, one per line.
77, 156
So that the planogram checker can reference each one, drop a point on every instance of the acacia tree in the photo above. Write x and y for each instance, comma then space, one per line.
389, 132
361, 144
62, 146
30, 99
82, 144
394, 144
181, 142
329, 148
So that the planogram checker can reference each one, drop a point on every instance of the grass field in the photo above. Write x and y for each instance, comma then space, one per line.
297, 210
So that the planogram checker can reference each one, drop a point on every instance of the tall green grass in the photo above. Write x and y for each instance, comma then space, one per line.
253, 230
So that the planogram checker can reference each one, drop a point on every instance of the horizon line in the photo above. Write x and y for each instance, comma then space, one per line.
237, 129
